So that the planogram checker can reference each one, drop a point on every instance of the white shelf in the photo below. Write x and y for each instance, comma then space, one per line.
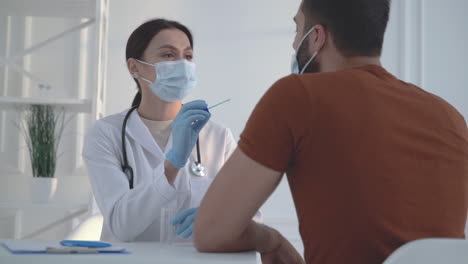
71, 105
49, 8
25, 205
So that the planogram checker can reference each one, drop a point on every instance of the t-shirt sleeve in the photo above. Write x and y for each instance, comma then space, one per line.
274, 130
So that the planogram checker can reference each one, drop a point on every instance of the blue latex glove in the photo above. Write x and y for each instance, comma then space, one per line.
189, 121
185, 220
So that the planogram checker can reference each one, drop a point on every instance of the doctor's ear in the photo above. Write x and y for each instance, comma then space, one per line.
132, 67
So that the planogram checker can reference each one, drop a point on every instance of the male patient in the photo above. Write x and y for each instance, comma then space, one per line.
372, 162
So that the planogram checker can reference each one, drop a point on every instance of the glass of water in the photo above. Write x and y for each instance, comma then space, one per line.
167, 233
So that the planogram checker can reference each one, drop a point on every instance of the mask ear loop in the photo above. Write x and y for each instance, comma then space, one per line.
144, 79
300, 44
141, 77
308, 62
145, 63
313, 56
304, 37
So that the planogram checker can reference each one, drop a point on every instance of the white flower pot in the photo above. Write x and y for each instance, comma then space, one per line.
43, 189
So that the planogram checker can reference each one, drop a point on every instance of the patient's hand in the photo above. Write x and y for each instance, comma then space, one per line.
279, 251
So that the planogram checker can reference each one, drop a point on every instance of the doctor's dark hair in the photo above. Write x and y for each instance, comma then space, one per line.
142, 36
357, 26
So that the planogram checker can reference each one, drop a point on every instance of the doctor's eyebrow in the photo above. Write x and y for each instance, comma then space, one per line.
172, 47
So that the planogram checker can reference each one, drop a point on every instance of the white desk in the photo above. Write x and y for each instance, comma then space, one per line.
141, 252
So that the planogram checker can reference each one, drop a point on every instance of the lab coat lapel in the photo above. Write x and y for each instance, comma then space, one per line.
137, 130
168, 145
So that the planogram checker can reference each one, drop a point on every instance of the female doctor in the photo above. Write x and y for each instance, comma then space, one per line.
159, 137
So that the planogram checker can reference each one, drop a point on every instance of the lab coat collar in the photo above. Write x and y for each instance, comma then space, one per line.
137, 130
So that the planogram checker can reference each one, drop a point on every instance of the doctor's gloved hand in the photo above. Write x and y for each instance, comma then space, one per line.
185, 129
185, 221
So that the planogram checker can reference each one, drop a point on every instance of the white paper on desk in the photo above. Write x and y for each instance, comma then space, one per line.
20, 246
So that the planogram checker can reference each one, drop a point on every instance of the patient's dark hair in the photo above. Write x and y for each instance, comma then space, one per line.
142, 36
357, 26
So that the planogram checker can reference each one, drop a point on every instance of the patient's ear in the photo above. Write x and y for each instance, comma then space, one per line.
318, 39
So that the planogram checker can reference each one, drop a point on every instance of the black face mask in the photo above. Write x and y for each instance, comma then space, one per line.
303, 56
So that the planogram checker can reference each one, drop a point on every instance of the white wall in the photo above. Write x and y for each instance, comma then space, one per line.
426, 45
242, 47
445, 51
233, 44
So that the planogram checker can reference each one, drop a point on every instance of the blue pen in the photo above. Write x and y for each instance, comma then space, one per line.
82, 243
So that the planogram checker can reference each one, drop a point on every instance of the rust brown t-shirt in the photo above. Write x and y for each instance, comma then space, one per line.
372, 162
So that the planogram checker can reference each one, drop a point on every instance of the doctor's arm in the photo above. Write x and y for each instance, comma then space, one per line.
127, 213
224, 221
171, 171
191, 118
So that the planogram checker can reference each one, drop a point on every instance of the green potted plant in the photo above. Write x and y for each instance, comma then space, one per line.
43, 127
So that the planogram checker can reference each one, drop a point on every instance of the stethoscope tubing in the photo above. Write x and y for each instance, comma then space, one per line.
127, 169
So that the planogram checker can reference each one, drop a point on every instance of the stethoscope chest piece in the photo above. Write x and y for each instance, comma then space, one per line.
198, 169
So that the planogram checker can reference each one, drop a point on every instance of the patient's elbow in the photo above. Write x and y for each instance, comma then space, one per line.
204, 239
200, 241
202, 245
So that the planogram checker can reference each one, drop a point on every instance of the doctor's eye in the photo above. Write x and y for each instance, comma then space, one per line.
168, 55
189, 57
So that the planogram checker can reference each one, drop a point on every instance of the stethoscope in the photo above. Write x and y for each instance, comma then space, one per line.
197, 168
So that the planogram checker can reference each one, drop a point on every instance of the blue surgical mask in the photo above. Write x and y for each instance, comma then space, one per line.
174, 79
295, 63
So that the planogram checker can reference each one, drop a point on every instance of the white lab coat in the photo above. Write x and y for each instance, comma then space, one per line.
134, 215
